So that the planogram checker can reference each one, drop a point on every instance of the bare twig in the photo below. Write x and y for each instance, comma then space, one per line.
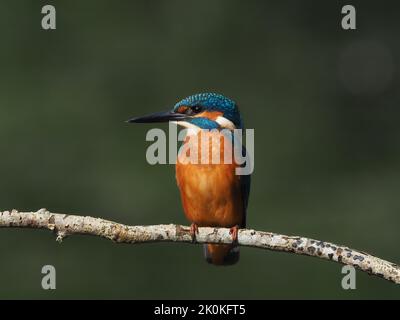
64, 225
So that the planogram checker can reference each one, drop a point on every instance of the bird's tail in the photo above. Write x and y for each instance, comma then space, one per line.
221, 254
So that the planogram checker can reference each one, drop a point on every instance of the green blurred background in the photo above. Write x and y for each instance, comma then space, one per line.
324, 103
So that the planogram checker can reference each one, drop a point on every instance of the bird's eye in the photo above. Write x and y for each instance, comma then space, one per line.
196, 109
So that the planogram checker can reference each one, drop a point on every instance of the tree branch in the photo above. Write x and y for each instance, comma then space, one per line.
64, 225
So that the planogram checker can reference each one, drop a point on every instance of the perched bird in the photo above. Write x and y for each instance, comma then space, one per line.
212, 194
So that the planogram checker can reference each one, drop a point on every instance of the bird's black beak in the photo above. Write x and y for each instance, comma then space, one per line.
159, 117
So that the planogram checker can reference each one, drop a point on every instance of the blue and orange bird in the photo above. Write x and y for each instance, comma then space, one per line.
212, 194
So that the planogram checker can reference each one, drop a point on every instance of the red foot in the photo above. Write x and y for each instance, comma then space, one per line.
234, 232
193, 230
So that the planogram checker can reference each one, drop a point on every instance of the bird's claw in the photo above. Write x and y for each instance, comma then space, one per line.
234, 232
193, 230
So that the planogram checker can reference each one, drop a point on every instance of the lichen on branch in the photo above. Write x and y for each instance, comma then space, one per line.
64, 225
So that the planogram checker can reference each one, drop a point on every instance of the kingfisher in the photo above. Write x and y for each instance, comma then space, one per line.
212, 194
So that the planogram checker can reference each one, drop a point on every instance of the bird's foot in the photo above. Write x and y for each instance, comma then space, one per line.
234, 233
194, 229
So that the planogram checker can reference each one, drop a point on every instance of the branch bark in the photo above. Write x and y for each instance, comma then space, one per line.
64, 225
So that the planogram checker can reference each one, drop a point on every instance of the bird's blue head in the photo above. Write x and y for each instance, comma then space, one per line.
203, 110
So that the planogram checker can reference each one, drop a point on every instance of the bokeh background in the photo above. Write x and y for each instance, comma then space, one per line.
324, 103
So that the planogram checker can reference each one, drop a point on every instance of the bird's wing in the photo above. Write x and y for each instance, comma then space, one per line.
245, 181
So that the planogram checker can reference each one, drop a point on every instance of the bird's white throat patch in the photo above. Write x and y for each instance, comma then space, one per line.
191, 128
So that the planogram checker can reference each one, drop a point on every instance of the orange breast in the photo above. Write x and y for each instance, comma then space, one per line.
210, 193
